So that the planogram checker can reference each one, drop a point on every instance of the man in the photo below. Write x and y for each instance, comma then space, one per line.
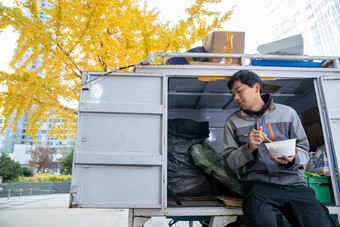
269, 183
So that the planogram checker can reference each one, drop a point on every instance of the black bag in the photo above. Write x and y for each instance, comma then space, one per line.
185, 179
185, 61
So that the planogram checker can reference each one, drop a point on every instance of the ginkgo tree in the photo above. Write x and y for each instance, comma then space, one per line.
84, 35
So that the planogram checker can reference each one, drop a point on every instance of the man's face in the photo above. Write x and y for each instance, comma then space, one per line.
244, 96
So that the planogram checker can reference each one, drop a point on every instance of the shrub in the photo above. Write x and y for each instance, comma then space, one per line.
53, 178
27, 172
9, 169
64, 177
66, 164
44, 177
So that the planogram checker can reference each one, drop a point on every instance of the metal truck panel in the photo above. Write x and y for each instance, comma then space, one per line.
330, 92
114, 168
122, 186
119, 161
122, 90
116, 133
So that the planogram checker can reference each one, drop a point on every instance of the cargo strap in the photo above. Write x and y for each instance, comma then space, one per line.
174, 196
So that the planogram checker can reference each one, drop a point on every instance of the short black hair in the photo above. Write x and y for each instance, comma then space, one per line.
245, 77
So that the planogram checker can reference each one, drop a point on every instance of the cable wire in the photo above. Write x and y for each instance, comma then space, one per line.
105, 74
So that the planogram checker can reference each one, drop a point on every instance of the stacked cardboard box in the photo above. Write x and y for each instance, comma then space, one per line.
311, 122
224, 42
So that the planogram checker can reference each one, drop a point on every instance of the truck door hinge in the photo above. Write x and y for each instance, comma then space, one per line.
74, 197
85, 82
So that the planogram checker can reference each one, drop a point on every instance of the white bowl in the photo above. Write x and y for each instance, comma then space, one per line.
280, 148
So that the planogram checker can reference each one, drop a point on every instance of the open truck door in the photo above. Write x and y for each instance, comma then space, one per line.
120, 159
328, 94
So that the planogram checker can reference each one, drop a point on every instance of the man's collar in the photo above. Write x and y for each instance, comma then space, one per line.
268, 101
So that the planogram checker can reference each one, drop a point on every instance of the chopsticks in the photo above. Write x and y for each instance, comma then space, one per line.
268, 139
264, 137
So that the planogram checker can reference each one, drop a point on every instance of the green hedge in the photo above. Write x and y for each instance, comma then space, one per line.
43, 177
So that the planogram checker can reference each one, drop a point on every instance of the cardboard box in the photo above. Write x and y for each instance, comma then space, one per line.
315, 136
310, 120
224, 42
310, 116
289, 46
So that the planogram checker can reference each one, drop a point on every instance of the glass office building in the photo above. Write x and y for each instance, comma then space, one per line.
317, 20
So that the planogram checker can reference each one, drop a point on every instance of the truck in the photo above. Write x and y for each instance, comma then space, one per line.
120, 158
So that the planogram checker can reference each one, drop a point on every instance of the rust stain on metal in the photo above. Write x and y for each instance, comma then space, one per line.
86, 167
74, 206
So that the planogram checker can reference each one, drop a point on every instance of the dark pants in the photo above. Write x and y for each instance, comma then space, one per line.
298, 204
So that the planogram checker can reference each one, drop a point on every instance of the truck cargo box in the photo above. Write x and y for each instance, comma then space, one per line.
120, 159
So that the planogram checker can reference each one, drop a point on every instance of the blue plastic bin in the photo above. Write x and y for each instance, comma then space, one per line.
286, 63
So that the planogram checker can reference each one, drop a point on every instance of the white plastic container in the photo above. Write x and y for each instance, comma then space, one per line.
280, 148
288, 46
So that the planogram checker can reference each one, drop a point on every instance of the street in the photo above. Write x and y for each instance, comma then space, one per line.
52, 210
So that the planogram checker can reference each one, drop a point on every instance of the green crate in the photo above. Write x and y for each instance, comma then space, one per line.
322, 187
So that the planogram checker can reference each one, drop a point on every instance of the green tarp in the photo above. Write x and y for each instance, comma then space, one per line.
212, 163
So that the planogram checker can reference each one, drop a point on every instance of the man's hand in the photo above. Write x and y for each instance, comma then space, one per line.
256, 138
285, 159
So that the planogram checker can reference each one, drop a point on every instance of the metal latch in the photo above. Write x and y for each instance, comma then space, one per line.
86, 79
74, 197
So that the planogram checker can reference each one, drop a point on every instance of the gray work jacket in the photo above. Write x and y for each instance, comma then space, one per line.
279, 122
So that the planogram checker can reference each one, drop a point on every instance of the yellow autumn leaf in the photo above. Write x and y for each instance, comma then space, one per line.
78, 36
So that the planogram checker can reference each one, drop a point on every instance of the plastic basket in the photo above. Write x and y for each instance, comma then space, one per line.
322, 187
